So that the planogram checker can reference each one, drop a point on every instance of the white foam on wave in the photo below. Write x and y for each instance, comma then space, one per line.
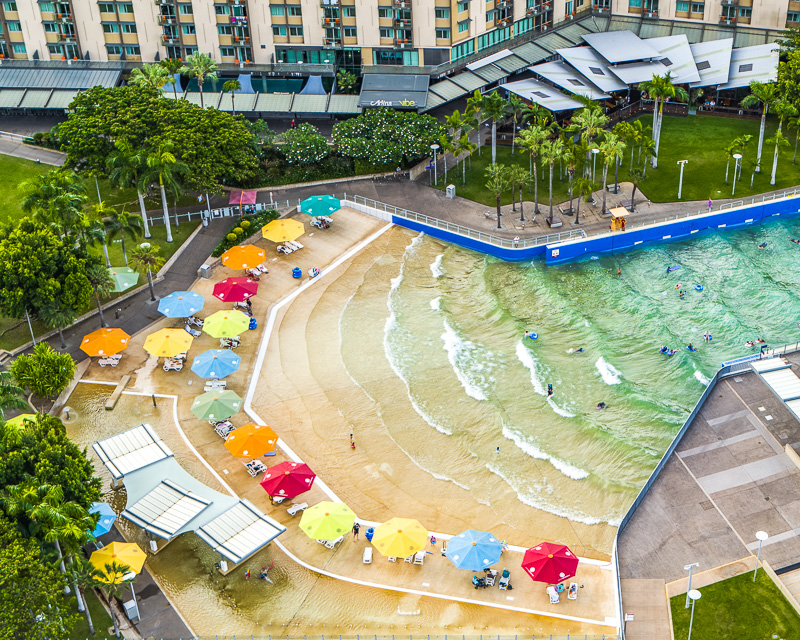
609, 373
562, 412
459, 353
436, 266
701, 378
571, 471
436, 303
526, 357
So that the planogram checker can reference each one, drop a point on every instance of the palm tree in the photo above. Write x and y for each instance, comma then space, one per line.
612, 149
765, 94
455, 123
531, 140
515, 106
518, 177
102, 284
495, 107
585, 187
793, 122
232, 86
497, 183
95, 233
783, 109
780, 142
57, 316
535, 114
476, 105
729, 151
649, 148
127, 165
149, 75
200, 67
552, 152
447, 145
123, 224
11, 396
56, 198
465, 145
163, 167
637, 176
112, 579
86, 576
146, 256
661, 89
589, 121
173, 67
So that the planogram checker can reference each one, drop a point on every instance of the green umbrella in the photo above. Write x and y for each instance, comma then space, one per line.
320, 205
124, 278
327, 520
216, 405
226, 323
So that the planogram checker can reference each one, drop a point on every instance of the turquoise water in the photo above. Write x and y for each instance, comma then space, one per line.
453, 323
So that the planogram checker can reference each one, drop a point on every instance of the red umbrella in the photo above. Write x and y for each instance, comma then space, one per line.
548, 562
235, 289
288, 479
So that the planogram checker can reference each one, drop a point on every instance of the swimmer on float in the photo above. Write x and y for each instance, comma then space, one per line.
794, 240
601, 406
707, 337
749, 344
532, 335
549, 390
690, 347
763, 245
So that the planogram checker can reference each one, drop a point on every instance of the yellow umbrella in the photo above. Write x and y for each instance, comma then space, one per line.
104, 342
21, 418
400, 537
283, 230
127, 554
243, 257
167, 342
251, 441
226, 323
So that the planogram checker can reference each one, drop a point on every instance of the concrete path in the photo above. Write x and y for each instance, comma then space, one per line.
18, 150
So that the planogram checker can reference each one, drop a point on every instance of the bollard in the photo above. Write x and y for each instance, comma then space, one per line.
117, 312
154, 401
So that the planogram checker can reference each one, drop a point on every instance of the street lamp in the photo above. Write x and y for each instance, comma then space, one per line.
760, 536
690, 569
595, 151
435, 148
737, 157
130, 577
327, 65
680, 187
694, 596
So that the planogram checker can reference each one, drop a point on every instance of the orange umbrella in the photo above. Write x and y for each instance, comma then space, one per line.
105, 342
243, 257
251, 441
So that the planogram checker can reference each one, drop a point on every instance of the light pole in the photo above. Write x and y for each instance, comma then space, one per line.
760, 536
327, 65
694, 596
435, 148
680, 188
690, 569
130, 577
737, 157
595, 151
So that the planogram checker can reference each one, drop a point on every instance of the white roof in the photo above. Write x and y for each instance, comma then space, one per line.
565, 76
713, 61
166, 509
634, 72
489, 59
131, 450
759, 62
620, 46
592, 66
769, 364
240, 531
677, 58
542, 94
784, 383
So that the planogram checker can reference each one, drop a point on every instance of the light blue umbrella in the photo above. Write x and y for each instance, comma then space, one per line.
181, 304
107, 517
474, 550
216, 363
320, 205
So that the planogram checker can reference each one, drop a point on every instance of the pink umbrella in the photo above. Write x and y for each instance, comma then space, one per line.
242, 198
288, 479
235, 289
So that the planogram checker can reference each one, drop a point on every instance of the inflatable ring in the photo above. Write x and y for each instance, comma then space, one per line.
533, 335
698, 287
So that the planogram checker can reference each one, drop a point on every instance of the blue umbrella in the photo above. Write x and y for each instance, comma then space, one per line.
107, 517
474, 550
216, 363
181, 304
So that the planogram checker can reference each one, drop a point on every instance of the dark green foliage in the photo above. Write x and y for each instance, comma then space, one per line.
257, 220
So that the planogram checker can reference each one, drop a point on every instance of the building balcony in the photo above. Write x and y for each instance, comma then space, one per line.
652, 15
64, 17
241, 39
167, 20
239, 20
237, 2
727, 21
730, 3
332, 43
327, 4
539, 9
67, 38
161, 3
404, 43
504, 22
170, 39
401, 4
328, 23
403, 24
503, 4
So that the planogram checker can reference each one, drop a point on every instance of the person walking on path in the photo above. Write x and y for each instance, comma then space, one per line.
356, 528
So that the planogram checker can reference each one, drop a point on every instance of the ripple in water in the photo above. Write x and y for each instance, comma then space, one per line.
462, 355
436, 266
533, 451
608, 372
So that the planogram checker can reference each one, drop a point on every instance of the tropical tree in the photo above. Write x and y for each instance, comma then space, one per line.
648, 146
793, 123
11, 396
146, 256
127, 164
517, 176
783, 109
637, 176
661, 89
150, 75
552, 151
497, 185
113, 577
55, 198
589, 121
201, 66
57, 316
612, 150
232, 86
45, 371
535, 114
729, 151
447, 145
476, 104
454, 123
84, 576
305, 145
164, 168
346, 81
465, 145
495, 108
102, 284
531, 139
515, 106
122, 223
780, 142
173, 67
585, 186
764, 94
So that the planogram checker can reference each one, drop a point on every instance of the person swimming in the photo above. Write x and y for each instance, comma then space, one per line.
549, 390
690, 347
749, 344
601, 406
579, 350
795, 240
681, 294
763, 245
707, 337
760, 341
663, 348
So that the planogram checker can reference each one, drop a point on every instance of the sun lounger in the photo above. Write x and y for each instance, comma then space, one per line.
254, 467
331, 544
191, 331
295, 245
180, 356
284, 249
224, 430
278, 500
391, 558
572, 594
409, 559
229, 343
172, 364
252, 274
419, 557
262, 268
108, 362
195, 322
220, 423
551, 591
367, 557
297, 508
212, 385
504, 582
491, 576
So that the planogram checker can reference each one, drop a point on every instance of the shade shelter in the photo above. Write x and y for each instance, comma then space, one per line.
542, 94
246, 256
251, 441
288, 479
107, 518
216, 363
549, 562
123, 277
474, 550
216, 405
126, 554
104, 342
167, 343
327, 520
400, 537
320, 205
283, 230
235, 289
181, 304
241, 198
226, 324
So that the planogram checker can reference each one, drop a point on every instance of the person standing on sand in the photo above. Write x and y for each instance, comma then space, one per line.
356, 528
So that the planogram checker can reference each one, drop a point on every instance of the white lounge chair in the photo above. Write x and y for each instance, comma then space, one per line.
171, 364
278, 500
285, 249
504, 582
490, 577
551, 591
223, 431
331, 544
367, 557
391, 558
194, 321
297, 508
220, 423
295, 245
108, 362
229, 343
419, 557
191, 331
409, 559
215, 384
262, 268
572, 594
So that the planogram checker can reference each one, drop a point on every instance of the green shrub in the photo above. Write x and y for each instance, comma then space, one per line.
231, 237
256, 220
245, 224
238, 231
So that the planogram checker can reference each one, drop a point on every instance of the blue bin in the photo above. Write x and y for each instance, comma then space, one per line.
253, 324
297, 272
368, 535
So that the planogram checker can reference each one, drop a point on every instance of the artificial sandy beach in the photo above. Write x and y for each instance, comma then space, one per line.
306, 393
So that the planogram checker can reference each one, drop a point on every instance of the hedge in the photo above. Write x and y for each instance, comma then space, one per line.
256, 220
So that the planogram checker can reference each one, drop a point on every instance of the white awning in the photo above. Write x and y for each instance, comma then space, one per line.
713, 61
542, 94
134, 449
759, 62
587, 61
240, 531
166, 509
566, 77
677, 58
620, 46
489, 59
634, 72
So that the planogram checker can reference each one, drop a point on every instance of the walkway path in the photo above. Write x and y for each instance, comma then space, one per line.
37, 154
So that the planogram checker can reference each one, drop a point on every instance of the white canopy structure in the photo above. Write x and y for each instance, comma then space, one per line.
620, 46
635, 72
713, 61
563, 75
677, 58
490, 59
759, 62
542, 94
132, 450
589, 63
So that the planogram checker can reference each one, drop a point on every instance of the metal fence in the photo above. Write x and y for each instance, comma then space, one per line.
420, 636
155, 217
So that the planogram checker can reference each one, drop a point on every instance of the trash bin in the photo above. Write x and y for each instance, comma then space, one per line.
450, 192
368, 535
253, 324
131, 611
297, 272
204, 271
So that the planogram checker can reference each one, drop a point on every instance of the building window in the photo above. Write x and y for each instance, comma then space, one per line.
442, 13
132, 50
113, 49
350, 32
745, 12
578, 4
463, 27
128, 28
296, 31
295, 11
54, 48
14, 25
125, 8
104, 8
224, 29
49, 7
682, 6
186, 9
227, 52
490, 15
793, 16
384, 12
110, 28
50, 27
698, 7
19, 48
462, 50
349, 12
9, 6
443, 34
189, 51
277, 10
188, 29
634, 4
386, 32
463, 6
222, 9
278, 30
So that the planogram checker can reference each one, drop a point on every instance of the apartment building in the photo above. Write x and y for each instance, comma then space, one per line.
347, 33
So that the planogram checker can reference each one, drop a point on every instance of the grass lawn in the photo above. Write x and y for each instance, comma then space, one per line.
100, 618
699, 139
738, 608
13, 172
